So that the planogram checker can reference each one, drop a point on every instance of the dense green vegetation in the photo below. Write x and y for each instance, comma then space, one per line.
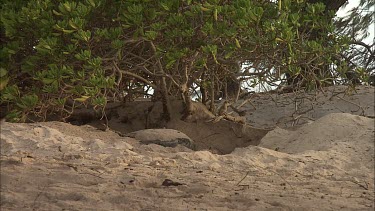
59, 55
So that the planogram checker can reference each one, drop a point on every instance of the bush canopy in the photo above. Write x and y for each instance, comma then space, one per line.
59, 55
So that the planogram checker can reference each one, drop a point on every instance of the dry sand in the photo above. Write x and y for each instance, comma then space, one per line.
327, 164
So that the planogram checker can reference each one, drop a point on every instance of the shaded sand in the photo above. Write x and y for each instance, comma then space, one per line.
325, 165
265, 110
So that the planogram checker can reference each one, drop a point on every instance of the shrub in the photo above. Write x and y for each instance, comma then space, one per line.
60, 55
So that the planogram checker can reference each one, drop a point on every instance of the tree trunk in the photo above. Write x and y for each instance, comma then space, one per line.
165, 100
188, 104
232, 89
212, 93
203, 89
163, 89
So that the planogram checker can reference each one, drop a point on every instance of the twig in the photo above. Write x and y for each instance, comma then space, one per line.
134, 75
360, 185
359, 107
247, 173
238, 136
282, 179
37, 196
91, 174
209, 136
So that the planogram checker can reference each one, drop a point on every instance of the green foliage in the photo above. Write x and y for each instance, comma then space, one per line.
89, 52
355, 26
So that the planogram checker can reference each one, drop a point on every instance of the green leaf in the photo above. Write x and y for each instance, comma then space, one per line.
117, 44
238, 43
57, 13
28, 102
82, 99
164, 6
3, 82
9, 93
67, 6
84, 35
151, 35
48, 80
170, 64
92, 3
66, 31
60, 101
3, 72
73, 25
229, 55
99, 101
10, 51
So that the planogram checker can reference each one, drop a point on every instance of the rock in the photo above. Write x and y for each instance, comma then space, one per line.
163, 137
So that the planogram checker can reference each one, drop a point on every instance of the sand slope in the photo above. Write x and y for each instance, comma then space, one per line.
325, 165
291, 109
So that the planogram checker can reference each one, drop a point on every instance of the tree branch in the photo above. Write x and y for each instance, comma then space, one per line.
134, 76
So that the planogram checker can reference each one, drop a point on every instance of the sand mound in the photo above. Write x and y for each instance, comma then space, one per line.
324, 134
326, 165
